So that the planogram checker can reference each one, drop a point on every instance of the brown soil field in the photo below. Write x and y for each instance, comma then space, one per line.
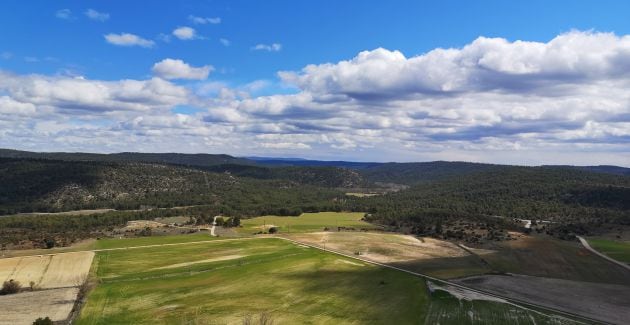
384, 248
430, 256
23, 308
606, 302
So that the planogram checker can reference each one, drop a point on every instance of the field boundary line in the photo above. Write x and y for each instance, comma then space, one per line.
515, 302
602, 255
142, 246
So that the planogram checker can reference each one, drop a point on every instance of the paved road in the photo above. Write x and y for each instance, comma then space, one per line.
588, 246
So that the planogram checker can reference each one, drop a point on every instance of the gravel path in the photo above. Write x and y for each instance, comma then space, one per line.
587, 246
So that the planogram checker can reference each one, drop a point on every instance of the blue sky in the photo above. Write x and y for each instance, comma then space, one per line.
107, 76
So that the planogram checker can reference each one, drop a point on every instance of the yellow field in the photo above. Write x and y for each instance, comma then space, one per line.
67, 270
47, 271
58, 274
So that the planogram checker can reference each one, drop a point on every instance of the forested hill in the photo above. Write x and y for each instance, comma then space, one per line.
334, 177
413, 173
565, 196
43, 185
164, 158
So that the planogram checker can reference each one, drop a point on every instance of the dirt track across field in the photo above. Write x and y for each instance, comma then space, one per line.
607, 302
612, 260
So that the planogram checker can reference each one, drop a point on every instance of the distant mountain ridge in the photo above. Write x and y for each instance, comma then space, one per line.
316, 172
200, 159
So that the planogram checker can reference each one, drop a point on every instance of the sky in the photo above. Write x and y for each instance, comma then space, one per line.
514, 82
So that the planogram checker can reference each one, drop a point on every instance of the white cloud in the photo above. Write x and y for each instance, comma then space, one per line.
178, 69
204, 20
127, 39
485, 64
225, 41
64, 14
6, 55
185, 33
79, 94
11, 108
97, 16
275, 47
493, 100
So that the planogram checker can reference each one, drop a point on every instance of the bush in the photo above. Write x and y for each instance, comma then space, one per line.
43, 321
10, 287
273, 230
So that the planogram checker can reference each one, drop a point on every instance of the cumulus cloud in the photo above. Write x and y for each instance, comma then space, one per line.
96, 16
494, 100
486, 64
178, 69
79, 94
185, 33
127, 39
275, 47
225, 41
204, 20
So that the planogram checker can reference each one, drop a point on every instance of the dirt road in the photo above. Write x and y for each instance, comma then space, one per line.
612, 260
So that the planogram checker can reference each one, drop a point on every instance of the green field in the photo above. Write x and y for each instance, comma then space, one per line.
619, 250
294, 284
151, 240
225, 281
306, 222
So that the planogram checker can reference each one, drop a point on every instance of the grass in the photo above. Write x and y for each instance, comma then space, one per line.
446, 309
619, 250
292, 283
151, 240
306, 222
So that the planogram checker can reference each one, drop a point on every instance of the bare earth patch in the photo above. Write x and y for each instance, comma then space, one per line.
142, 224
383, 248
606, 302
25, 307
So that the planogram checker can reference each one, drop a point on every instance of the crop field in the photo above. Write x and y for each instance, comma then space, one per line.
55, 278
47, 271
306, 222
194, 284
430, 256
619, 250
448, 309
227, 281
